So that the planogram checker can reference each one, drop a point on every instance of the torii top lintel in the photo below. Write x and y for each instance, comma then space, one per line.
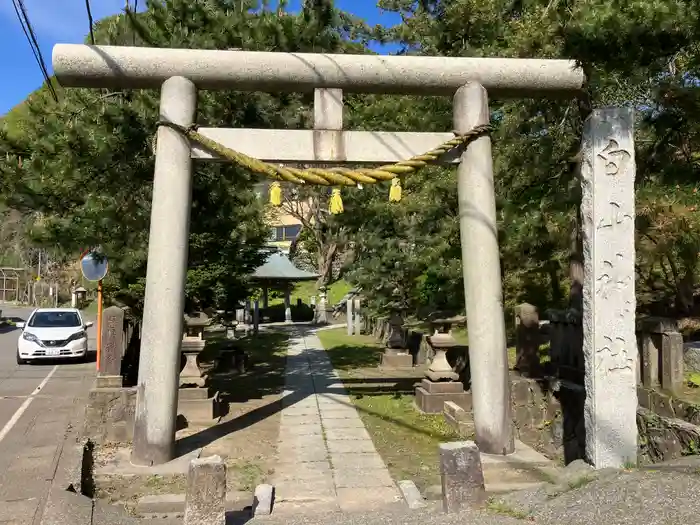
77, 65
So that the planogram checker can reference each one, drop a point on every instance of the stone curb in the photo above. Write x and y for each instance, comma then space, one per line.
163, 504
411, 494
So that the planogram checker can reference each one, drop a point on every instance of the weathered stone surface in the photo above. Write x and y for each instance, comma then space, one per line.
462, 476
672, 361
109, 415
691, 356
112, 341
609, 340
206, 492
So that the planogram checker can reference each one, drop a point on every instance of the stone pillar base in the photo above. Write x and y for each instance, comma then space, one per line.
108, 382
431, 396
396, 360
199, 407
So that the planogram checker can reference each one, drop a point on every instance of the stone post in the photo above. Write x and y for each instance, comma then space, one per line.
527, 334
348, 315
287, 304
321, 309
265, 298
110, 372
205, 500
609, 303
462, 476
256, 315
672, 376
481, 268
164, 303
358, 317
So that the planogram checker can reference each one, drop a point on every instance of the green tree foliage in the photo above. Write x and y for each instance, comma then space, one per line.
83, 168
634, 53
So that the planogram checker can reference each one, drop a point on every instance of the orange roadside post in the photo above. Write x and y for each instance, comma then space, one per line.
94, 267
99, 322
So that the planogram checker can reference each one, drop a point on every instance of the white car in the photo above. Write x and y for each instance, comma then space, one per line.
53, 333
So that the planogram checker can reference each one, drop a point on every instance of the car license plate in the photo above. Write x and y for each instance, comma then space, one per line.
53, 352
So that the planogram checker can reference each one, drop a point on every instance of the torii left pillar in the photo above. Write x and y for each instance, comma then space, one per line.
164, 304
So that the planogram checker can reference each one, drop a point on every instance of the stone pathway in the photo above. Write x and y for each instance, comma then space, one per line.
327, 460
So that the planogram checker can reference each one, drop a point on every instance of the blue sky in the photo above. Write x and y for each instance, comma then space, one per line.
66, 21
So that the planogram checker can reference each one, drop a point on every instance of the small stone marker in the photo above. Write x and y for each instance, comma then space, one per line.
262, 500
348, 315
358, 317
205, 502
112, 342
462, 476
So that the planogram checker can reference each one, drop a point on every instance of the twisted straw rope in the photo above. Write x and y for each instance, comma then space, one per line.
333, 176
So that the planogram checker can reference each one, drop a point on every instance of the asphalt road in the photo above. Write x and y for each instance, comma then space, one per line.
37, 403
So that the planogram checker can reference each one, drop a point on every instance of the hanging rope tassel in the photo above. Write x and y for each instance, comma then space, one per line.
336, 204
275, 194
395, 190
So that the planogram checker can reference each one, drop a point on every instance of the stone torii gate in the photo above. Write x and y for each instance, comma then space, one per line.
608, 209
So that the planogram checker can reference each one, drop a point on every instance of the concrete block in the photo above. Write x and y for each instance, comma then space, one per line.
206, 492
434, 403
411, 494
376, 477
462, 476
394, 360
349, 446
64, 507
262, 500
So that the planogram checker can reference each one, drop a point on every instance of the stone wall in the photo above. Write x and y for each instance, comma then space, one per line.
665, 438
109, 415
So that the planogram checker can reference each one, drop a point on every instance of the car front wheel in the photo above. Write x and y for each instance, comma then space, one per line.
21, 361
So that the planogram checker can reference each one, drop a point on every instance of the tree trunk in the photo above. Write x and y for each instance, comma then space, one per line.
326, 258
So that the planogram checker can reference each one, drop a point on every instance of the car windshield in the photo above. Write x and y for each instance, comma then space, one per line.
55, 320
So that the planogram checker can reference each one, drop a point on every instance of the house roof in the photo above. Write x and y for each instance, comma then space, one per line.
278, 267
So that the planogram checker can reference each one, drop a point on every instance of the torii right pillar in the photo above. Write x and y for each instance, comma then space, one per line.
481, 267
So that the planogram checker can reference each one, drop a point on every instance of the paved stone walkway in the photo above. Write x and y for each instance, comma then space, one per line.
327, 460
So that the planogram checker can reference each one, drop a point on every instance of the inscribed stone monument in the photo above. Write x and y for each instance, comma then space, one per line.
112, 341
609, 340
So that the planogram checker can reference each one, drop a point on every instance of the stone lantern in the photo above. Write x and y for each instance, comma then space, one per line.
441, 381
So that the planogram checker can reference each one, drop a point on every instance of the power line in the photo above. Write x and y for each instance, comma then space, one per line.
89, 14
21, 12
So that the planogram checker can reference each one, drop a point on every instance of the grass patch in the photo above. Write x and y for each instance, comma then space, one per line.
499, 507
406, 439
305, 290
581, 482
350, 352
247, 475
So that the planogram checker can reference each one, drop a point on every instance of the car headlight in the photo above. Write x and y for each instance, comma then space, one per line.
28, 336
77, 335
